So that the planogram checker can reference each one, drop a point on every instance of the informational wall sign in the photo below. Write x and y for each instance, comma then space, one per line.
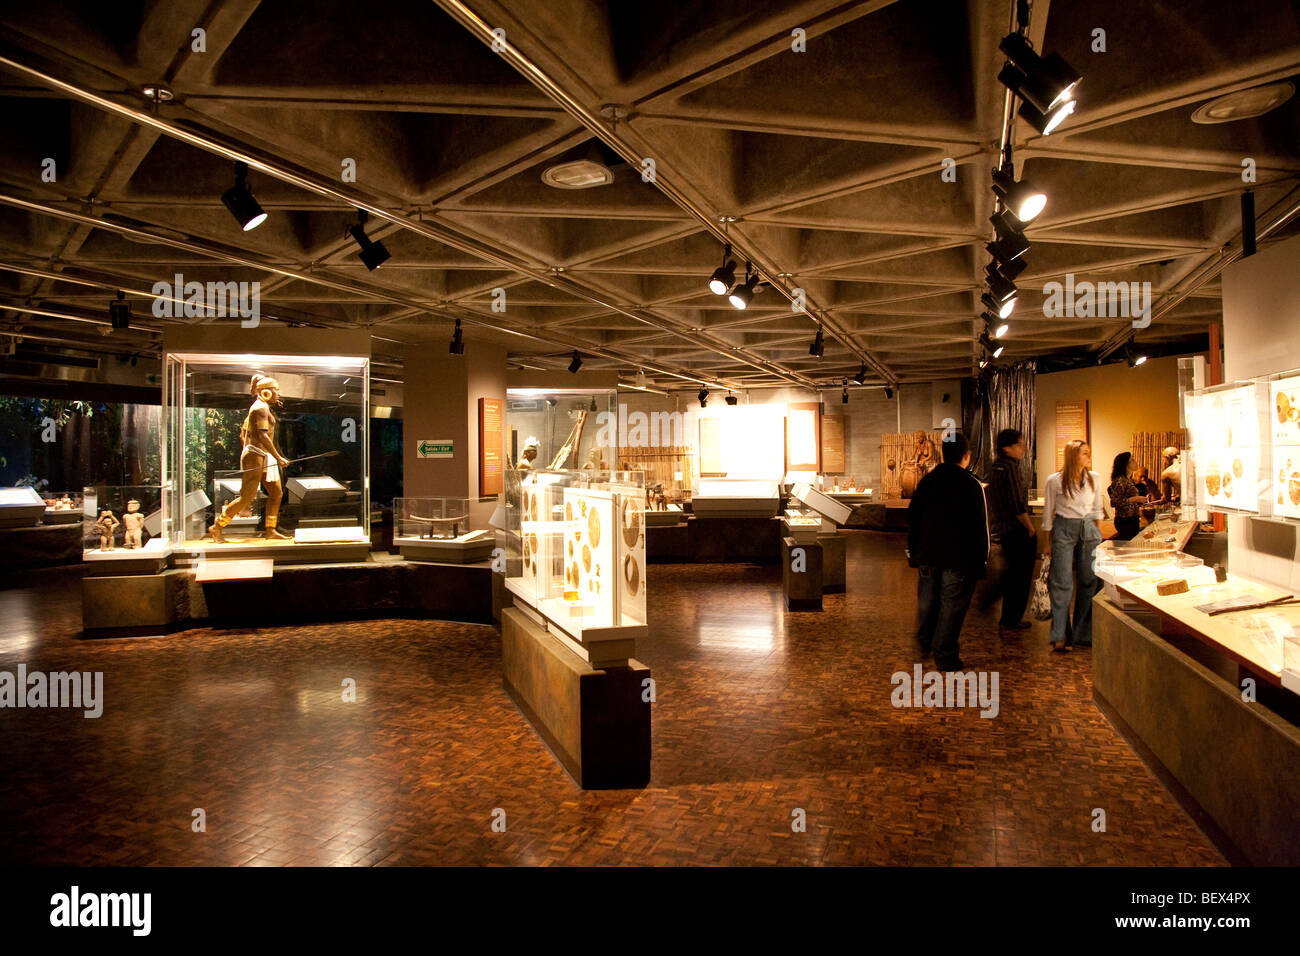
833, 444
710, 446
1284, 419
1071, 424
490, 441
435, 448
803, 436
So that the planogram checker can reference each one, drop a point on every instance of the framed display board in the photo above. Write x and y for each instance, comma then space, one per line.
803, 436
1284, 437
490, 445
1071, 424
833, 444
710, 446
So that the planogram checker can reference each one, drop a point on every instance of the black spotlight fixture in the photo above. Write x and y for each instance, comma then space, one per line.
593, 407
575, 363
1007, 247
1020, 198
119, 311
862, 374
742, 295
240, 201
1000, 286
1133, 354
889, 392
1011, 270
844, 395
703, 396
373, 254
1045, 81
724, 277
457, 346
989, 345
818, 347
1001, 309
1045, 123
732, 399
993, 325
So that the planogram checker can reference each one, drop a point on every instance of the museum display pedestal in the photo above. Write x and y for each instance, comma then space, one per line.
39, 546
596, 721
834, 563
155, 604
1234, 762
802, 588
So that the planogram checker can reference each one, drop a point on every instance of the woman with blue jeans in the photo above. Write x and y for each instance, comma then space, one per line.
1072, 518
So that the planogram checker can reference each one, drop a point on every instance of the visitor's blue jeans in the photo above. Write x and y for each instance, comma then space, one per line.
1073, 542
942, 598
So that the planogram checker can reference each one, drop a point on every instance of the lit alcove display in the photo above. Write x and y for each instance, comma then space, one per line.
264, 450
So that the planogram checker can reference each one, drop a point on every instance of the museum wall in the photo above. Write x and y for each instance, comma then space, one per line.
869, 413
1121, 401
1261, 336
441, 403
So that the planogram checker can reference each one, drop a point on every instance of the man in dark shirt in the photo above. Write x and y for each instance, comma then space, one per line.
948, 542
1012, 530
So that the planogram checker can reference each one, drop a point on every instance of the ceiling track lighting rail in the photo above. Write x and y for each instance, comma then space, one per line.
598, 126
425, 228
317, 278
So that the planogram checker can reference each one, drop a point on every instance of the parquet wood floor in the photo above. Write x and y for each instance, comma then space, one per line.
758, 713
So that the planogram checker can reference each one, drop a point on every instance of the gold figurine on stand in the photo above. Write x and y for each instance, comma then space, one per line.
260, 462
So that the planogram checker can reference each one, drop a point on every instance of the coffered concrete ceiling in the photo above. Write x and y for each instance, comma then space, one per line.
824, 165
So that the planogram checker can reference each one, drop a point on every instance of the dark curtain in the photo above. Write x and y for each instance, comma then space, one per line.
1009, 402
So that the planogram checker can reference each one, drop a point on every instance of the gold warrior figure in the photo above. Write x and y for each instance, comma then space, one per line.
260, 461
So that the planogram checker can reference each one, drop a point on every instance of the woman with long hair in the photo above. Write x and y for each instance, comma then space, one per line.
1072, 519
1125, 497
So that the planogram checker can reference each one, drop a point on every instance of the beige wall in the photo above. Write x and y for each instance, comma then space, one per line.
441, 402
1121, 401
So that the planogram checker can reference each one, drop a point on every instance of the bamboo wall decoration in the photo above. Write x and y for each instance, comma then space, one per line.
900, 448
1147, 446
661, 464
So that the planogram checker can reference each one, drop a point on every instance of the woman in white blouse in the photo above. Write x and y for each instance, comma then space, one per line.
1072, 509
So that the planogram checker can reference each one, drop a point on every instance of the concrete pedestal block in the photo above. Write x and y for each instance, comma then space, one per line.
135, 605
734, 540
131, 605
669, 544
803, 587
1233, 762
595, 721
834, 563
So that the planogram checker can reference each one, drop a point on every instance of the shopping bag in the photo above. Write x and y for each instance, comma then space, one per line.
1040, 603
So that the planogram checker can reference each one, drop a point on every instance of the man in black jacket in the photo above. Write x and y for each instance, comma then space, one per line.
948, 542
1012, 530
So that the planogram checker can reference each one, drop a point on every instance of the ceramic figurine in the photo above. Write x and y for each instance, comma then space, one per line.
106, 526
1171, 476
526, 458
133, 521
260, 461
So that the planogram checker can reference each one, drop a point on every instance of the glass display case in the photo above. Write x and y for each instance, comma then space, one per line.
122, 529
1291, 661
1227, 468
735, 498
20, 507
576, 557
265, 450
812, 512
61, 507
439, 529
562, 428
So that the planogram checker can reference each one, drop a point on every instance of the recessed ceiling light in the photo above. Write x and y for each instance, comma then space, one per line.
586, 172
1244, 104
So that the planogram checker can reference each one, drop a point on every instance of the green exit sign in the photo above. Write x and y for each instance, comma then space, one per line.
435, 448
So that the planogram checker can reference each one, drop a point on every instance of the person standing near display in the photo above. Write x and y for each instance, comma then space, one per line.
1125, 497
1072, 517
948, 543
1012, 529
